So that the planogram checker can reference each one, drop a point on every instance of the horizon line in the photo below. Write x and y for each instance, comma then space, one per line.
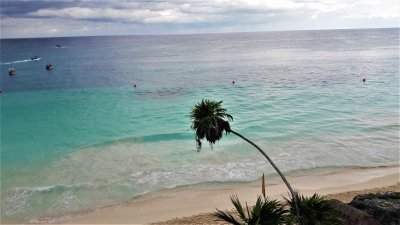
205, 33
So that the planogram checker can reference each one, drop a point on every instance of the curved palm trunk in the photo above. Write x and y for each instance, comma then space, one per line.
277, 170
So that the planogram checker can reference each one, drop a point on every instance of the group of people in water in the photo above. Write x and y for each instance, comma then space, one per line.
12, 71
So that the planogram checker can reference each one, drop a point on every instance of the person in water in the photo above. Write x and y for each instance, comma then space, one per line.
49, 67
11, 72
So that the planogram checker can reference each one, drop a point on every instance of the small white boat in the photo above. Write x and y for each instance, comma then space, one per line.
35, 58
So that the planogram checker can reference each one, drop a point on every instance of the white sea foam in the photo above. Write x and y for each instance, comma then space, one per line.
16, 202
59, 219
22, 61
113, 173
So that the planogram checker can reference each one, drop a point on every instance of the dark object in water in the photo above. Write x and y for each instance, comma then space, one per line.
49, 67
35, 58
11, 71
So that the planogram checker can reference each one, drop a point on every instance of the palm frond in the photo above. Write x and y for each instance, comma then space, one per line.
264, 212
272, 212
238, 206
315, 210
209, 121
226, 217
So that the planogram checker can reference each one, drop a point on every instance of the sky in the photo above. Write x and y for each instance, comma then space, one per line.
58, 18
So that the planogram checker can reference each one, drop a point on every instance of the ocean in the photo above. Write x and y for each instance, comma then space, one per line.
81, 136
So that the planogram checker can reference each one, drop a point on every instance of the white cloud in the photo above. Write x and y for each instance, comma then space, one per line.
387, 9
130, 15
44, 27
203, 11
184, 16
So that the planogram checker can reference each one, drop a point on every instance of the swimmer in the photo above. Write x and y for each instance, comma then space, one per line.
233, 82
134, 85
49, 67
364, 80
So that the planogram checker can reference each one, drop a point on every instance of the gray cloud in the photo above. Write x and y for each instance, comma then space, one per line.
180, 15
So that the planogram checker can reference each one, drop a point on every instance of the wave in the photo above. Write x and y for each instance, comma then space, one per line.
19, 200
70, 201
145, 139
56, 187
160, 137
22, 61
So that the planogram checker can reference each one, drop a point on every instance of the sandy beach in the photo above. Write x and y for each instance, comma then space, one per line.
200, 201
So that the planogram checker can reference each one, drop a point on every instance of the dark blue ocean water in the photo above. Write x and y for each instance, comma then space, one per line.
80, 136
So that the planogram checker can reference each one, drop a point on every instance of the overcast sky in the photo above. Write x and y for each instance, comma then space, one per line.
49, 18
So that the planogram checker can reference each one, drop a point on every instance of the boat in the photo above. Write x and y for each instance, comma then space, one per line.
58, 46
35, 58
11, 72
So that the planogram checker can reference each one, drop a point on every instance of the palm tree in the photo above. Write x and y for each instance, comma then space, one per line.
264, 212
210, 121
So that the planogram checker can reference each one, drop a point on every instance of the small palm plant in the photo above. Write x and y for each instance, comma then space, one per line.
210, 121
315, 210
264, 212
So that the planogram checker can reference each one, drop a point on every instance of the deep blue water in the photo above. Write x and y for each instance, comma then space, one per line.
80, 136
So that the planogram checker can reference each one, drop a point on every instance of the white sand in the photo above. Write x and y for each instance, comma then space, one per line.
189, 201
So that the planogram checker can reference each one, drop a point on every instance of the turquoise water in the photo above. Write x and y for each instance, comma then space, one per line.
80, 136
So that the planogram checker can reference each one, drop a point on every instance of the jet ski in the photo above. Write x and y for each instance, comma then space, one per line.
35, 58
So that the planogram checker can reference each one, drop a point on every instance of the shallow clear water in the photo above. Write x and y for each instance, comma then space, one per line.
80, 136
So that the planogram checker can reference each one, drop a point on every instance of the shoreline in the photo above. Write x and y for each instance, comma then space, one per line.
198, 199
209, 218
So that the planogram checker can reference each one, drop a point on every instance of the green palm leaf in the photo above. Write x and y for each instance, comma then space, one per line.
315, 210
264, 212
209, 121
226, 217
235, 201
